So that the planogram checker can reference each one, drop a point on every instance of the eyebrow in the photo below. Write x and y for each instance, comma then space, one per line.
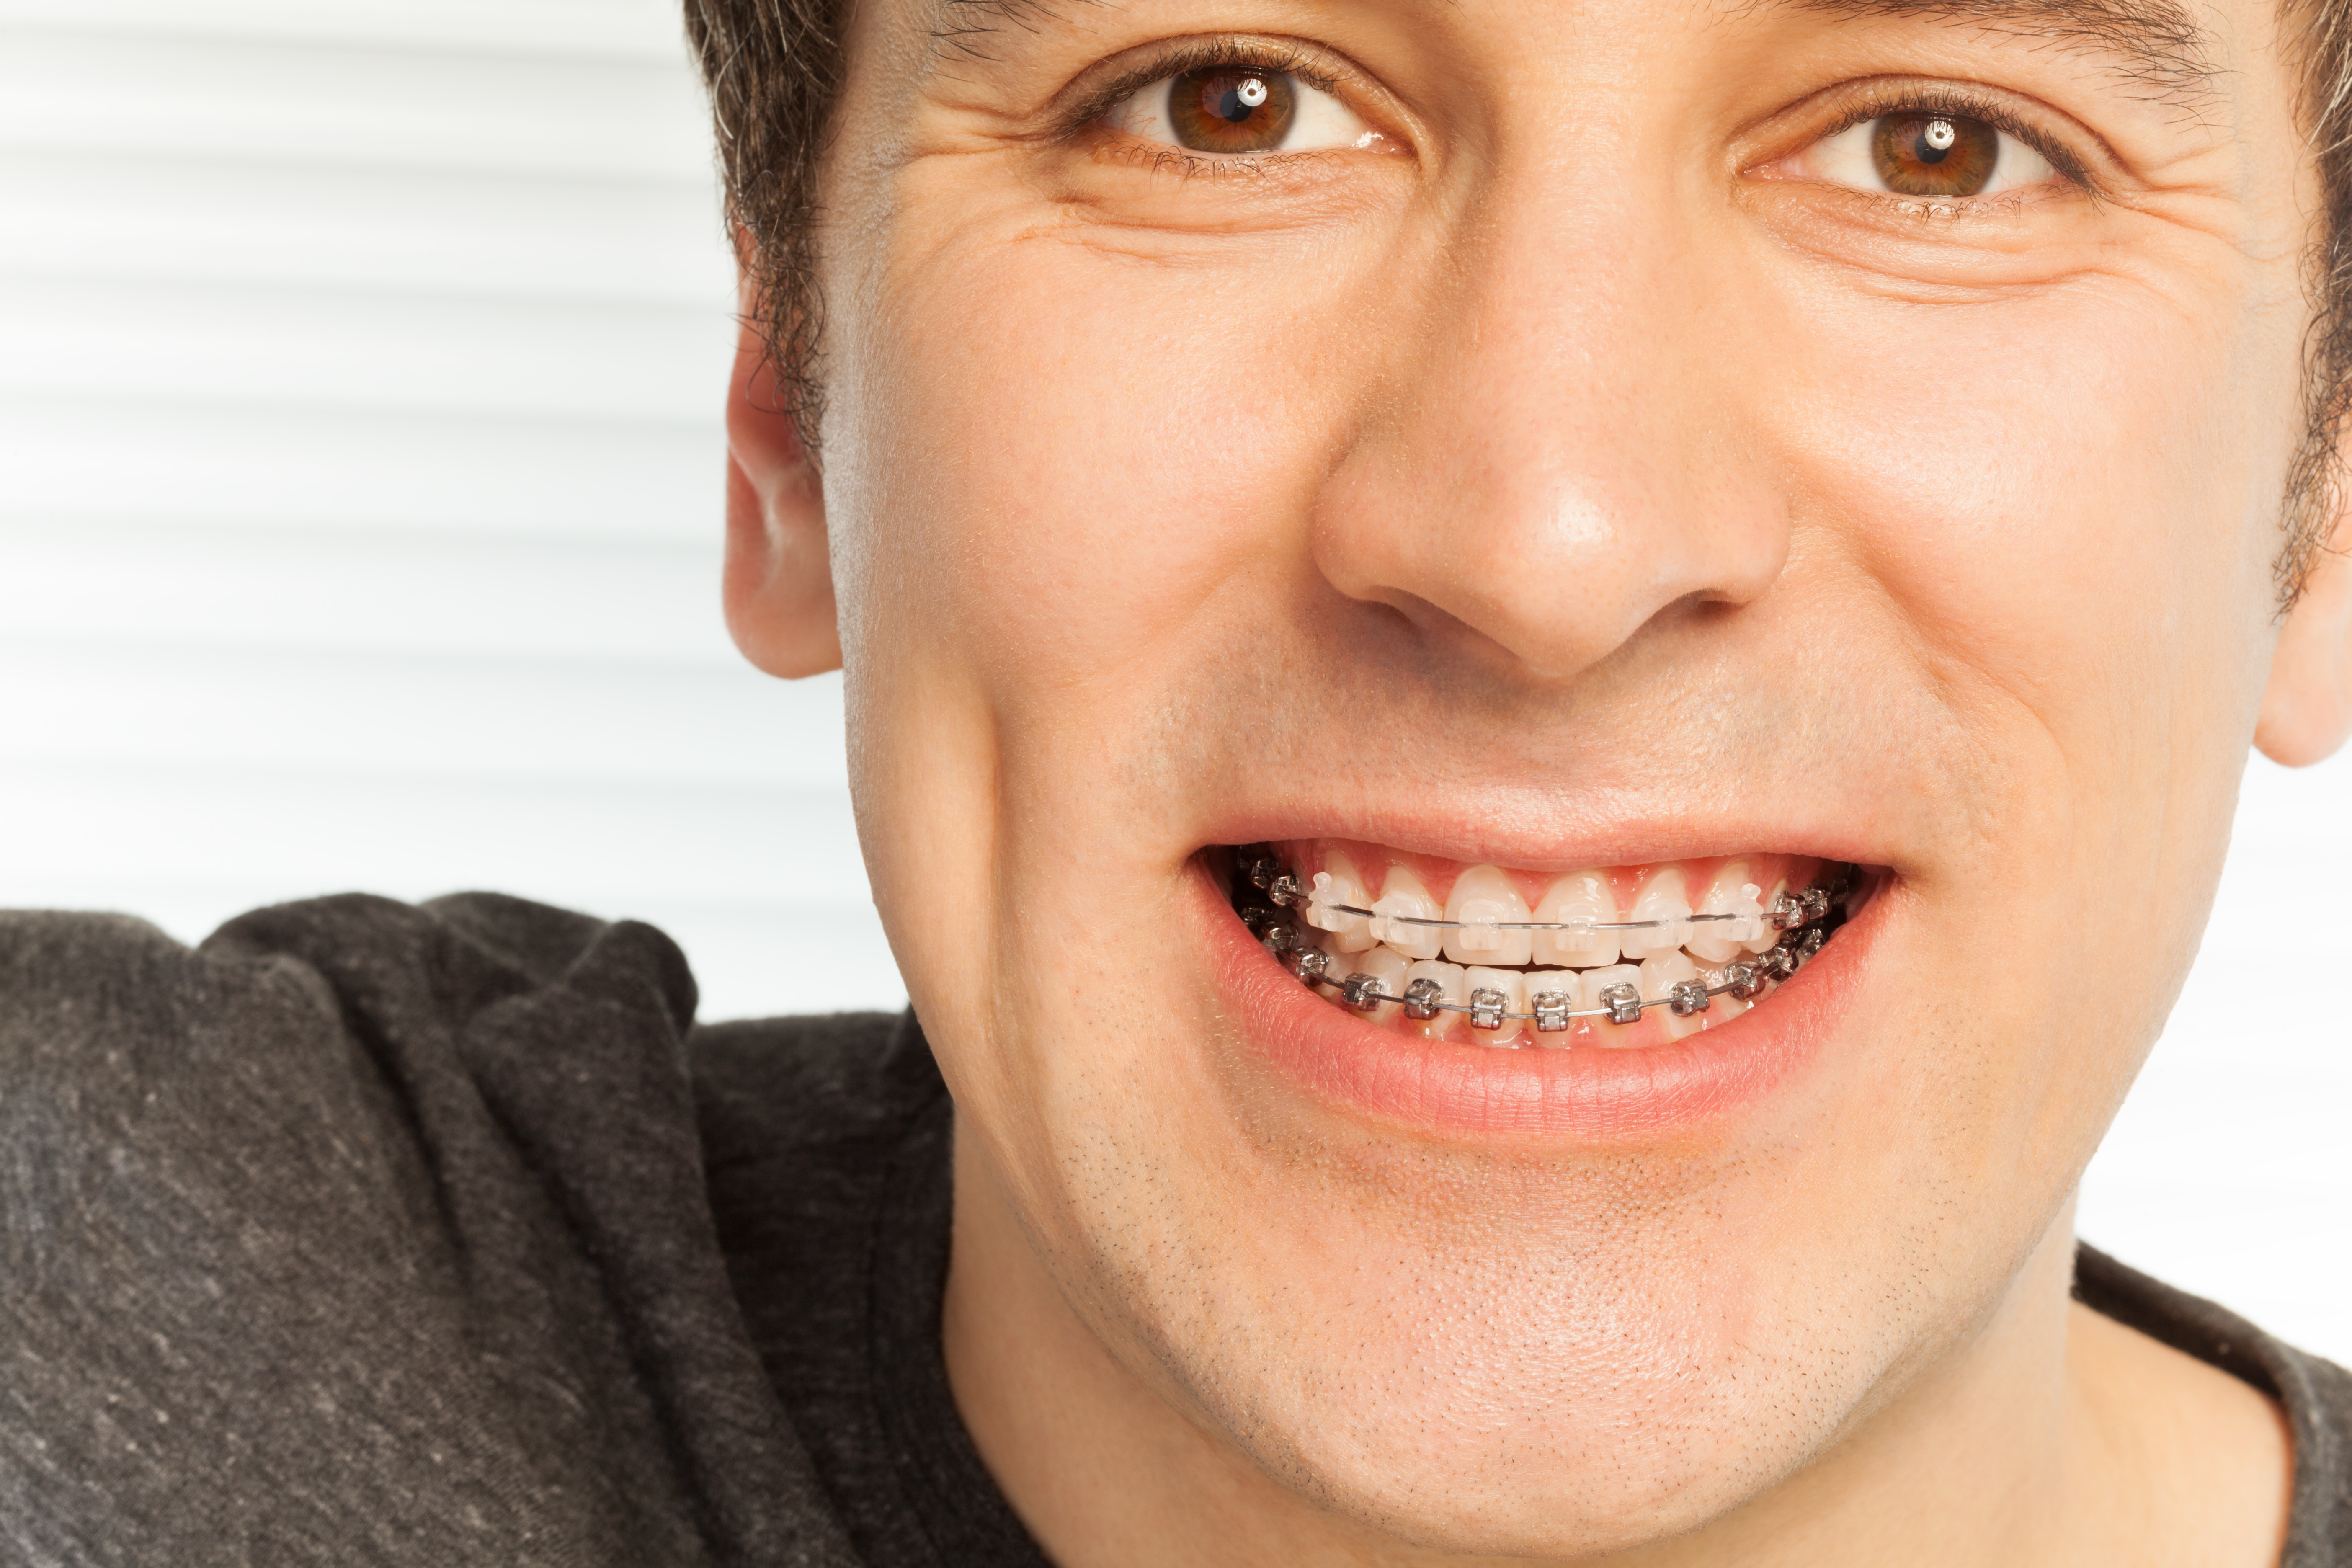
961, 25
2158, 42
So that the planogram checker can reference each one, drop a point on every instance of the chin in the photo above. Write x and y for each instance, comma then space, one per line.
1491, 1405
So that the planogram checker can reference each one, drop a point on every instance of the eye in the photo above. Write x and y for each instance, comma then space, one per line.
1238, 109
1924, 154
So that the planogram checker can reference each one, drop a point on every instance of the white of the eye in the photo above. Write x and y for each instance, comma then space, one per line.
1845, 159
1318, 120
1322, 121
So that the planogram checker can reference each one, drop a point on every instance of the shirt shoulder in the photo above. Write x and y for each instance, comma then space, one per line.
371, 1229
810, 1127
829, 1144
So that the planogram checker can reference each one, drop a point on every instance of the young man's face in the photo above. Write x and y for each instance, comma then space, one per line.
1714, 449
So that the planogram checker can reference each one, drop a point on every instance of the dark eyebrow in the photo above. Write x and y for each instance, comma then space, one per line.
2158, 42
961, 27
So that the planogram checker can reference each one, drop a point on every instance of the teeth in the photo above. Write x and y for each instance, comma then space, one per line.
1405, 895
1597, 981
1338, 883
1659, 975
1731, 893
1310, 960
1512, 986
1450, 988
1388, 967
1484, 990
1726, 1008
1482, 897
1579, 896
1554, 988
1662, 899
1762, 941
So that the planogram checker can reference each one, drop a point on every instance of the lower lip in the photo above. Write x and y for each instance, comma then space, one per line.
1594, 1095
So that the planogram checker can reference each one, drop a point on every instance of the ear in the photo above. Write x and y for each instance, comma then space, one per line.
2307, 706
778, 584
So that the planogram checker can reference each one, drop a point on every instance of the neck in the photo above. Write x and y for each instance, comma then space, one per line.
2051, 1436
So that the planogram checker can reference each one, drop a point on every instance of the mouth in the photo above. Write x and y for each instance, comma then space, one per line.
1489, 957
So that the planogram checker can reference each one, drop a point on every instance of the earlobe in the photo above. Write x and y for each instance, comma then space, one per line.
2307, 706
778, 583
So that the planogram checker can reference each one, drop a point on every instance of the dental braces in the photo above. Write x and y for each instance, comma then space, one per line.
1798, 916
1621, 1003
1788, 911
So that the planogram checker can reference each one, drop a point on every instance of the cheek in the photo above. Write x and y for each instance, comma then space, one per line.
2040, 492
1086, 462
1068, 482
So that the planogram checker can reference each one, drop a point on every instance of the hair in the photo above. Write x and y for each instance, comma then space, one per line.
774, 68
2321, 31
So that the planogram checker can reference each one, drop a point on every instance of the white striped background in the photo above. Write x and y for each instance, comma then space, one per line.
359, 372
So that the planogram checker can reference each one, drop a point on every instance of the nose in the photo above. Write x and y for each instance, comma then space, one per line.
1562, 464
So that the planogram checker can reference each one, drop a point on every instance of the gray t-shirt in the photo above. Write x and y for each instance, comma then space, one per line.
440, 1234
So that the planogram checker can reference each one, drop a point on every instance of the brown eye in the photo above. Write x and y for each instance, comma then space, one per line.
1230, 109
1934, 154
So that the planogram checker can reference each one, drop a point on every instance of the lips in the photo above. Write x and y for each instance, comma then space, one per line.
1484, 1000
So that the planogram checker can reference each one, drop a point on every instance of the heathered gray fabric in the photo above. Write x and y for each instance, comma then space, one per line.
829, 1174
371, 1234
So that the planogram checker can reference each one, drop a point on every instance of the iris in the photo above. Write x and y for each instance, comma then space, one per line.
1935, 154
1231, 109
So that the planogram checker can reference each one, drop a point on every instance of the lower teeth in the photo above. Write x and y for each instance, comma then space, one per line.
1265, 894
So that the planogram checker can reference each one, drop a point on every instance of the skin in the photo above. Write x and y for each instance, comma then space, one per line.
1573, 477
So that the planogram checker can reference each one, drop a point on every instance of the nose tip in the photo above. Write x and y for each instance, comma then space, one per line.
1541, 563
1575, 449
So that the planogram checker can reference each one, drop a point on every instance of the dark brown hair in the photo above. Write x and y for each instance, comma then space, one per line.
2322, 30
774, 70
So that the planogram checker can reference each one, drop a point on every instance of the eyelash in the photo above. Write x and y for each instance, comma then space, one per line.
1961, 103
1876, 103
1249, 54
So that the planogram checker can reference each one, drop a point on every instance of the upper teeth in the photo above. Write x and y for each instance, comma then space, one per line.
1486, 920
1326, 909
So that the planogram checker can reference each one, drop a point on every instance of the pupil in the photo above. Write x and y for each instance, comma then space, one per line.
1239, 102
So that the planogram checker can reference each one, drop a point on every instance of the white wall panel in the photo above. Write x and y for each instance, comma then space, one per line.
512, 595
110, 456
345, 349
359, 368
170, 218
2229, 1171
64, 87
637, 722
540, 30
361, 364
